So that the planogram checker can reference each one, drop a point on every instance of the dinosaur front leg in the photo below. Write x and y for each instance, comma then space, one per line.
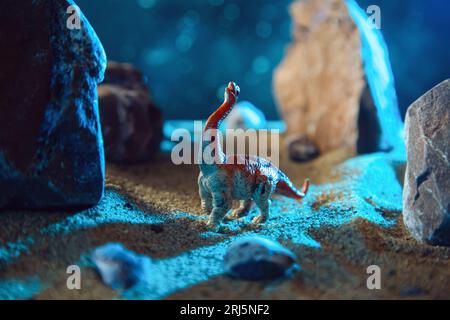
243, 209
221, 205
205, 195
262, 199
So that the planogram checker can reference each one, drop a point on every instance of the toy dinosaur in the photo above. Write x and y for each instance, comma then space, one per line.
238, 177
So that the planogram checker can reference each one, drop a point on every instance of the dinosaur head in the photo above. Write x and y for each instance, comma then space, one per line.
232, 91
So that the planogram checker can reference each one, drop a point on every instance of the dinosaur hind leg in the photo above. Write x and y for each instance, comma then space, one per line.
243, 209
264, 206
221, 205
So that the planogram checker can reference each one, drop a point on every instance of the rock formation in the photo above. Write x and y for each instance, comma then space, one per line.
131, 123
51, 149
335, 85
258, 258
426, 193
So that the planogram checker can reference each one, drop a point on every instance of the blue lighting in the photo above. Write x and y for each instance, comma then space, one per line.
372, 181
379, 75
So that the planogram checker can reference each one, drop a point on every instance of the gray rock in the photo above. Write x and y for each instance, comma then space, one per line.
51, 148
119, 267
426, 194
258, 258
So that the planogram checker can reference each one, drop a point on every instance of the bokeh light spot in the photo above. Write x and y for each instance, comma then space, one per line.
232, 11
146, 4
183, 42
261, 65
263, 29
157, 57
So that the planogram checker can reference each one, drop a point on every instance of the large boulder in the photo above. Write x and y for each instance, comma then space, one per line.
335, 85
426, 193
51, 149
131, 121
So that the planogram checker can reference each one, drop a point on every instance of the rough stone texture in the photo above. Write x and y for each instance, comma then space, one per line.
131, 123
258, 258
51, 149
335, 84
119, 267
426, 194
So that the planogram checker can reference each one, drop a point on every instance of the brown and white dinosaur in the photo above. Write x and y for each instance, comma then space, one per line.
238, 177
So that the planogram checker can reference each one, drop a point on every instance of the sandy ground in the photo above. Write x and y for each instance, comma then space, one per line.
350, 220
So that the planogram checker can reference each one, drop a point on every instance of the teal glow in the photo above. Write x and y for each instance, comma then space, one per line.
20, 289
369, 187
378, 70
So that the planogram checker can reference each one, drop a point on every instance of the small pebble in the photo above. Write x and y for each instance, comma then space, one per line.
302, 149
119, 267
258, 258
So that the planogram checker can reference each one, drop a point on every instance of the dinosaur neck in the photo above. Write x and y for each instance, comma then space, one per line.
221, 113
212, 129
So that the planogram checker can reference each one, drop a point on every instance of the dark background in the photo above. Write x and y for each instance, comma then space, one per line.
189, 49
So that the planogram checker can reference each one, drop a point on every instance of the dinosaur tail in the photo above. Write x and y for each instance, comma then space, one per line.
212, 124
286, 188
